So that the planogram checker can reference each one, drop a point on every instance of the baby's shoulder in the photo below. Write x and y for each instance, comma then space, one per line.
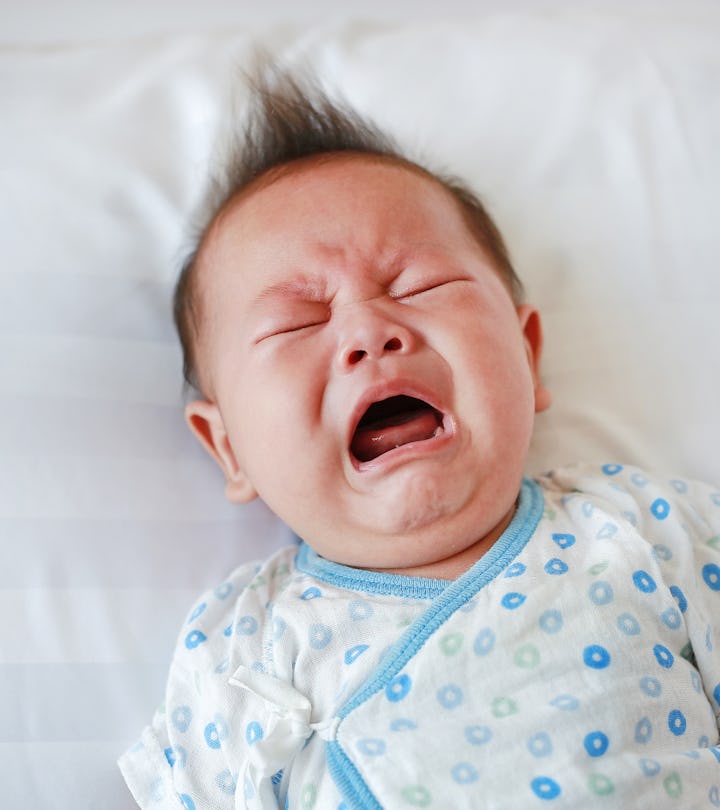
237, 607
650, 503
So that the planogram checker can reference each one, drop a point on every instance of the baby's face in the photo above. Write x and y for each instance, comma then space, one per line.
371, 377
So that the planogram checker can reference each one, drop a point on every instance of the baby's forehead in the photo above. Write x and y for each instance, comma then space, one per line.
311, 196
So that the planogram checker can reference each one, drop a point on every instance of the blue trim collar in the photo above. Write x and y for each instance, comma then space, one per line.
504, 550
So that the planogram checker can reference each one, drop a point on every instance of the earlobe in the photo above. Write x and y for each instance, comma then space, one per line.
531, 327
206, 422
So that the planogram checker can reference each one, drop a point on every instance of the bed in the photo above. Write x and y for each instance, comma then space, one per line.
592, 132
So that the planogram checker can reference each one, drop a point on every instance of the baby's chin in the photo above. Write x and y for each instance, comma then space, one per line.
419, 524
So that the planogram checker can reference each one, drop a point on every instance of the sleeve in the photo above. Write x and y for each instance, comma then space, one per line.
185, 759
679, 519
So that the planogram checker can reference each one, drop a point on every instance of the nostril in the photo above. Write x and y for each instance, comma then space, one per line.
356, 356
393, 345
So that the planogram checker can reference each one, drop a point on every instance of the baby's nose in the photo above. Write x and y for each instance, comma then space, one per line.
368, 334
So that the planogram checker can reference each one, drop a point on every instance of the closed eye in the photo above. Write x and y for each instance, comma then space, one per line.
424, 287
289, 317
288, 329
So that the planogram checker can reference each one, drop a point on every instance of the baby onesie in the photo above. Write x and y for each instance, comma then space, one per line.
576, 664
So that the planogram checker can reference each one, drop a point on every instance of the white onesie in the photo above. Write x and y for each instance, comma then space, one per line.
576, 665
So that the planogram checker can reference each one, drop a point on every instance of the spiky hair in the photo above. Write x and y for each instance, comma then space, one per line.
291, 118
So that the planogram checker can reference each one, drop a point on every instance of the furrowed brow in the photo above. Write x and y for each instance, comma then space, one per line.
301, 288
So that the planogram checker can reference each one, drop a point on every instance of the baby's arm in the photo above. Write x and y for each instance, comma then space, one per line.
186, 758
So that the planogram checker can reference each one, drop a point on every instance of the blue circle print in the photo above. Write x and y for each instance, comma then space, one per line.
311, 593
711, 575
660, 508
679, 598
677, 722
226, 782
187, 801
194, 638
696, 682
596, 657
650, 767
450, 696
671, 618
354, 653
180, 756
714, 796
212, 737
651, 686
371, 747
515, 570
716, 694
464, 773
478, 735
403, 724
564, 540
511, 601
643, 731
663, 656
555, 567
596, 743
566, 703
398, 688
644, 582
484, 641
224, 590
247, 626
679, 486
611, 469
608, 531
197, 612
540, 744
631, 516
662, 552
360, 610
254, 733
628, 624
181, 718
551, 621
600, 593
319, 636
545, 788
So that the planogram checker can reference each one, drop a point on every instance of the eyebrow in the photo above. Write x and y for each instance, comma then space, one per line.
302, 287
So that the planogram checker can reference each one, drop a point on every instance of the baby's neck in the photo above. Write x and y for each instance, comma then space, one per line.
450, 568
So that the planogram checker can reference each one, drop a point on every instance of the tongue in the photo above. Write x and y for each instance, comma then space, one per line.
371, 441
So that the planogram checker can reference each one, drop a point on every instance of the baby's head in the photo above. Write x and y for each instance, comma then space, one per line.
353, 321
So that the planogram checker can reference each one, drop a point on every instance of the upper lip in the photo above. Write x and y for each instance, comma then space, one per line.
385, 390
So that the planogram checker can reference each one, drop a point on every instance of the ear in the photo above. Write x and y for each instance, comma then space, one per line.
206, 422
531, 326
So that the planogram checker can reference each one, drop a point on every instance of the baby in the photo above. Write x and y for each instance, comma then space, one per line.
449, 634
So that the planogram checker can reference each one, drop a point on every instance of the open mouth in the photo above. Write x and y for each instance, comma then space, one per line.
393, 422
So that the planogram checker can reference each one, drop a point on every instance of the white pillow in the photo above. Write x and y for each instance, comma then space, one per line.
591, 135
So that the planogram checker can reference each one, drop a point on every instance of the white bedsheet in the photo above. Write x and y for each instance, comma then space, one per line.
592, 131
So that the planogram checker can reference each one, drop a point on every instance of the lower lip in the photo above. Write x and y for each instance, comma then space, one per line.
404, 452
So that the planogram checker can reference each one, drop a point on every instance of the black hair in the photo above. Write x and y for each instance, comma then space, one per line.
291, 118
